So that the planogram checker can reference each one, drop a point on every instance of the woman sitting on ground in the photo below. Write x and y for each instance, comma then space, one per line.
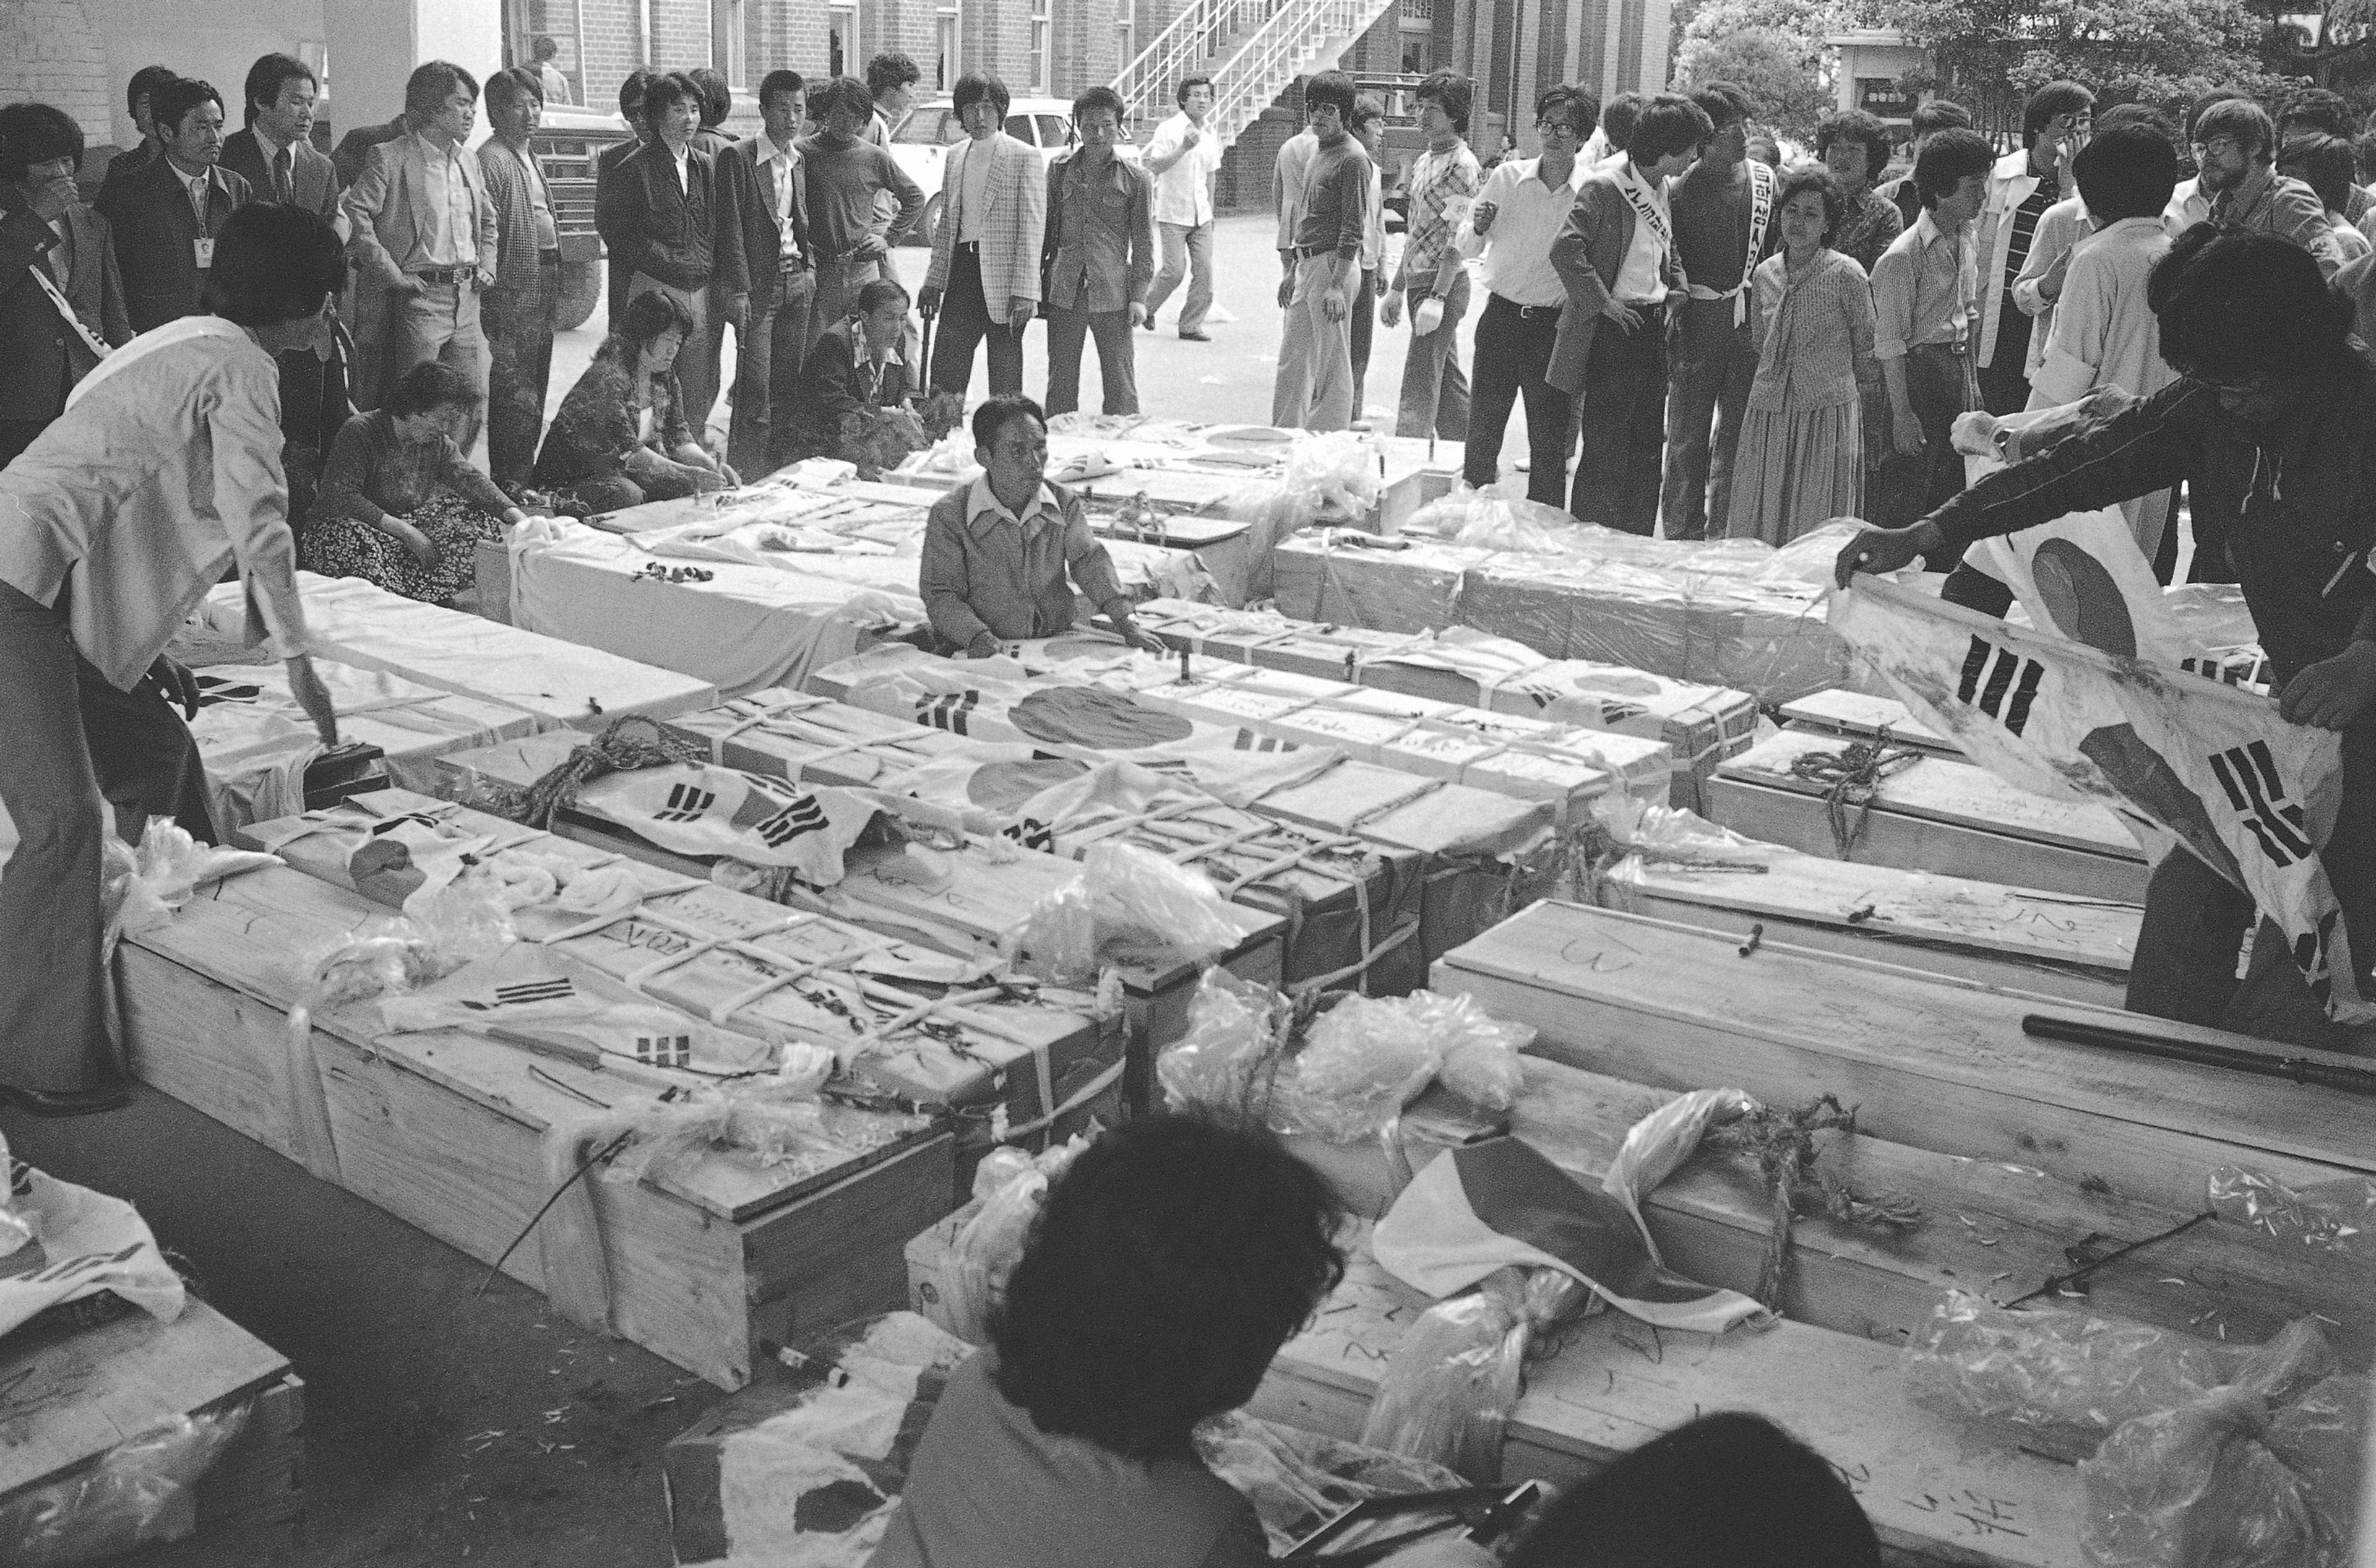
851, 401
620, 438
1171, 1262
399, 504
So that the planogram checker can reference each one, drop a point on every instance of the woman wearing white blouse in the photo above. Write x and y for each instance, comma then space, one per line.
163, 471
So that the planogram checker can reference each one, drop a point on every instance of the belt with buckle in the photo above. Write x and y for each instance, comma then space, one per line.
1526, 312
1958, 348
445, 275
1305, 252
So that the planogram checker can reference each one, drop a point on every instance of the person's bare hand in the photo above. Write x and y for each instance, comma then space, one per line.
418, 545
53, 197
870, 247
2334, 691
928, 300
1334, 306
1139, 313
1906, 432
1390, 309
1481, 217
1883, 551
738, 310
1192, 138
176, 684
1624, 317
1287, 291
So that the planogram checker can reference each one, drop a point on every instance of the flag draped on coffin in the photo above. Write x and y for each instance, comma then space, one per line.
2182, 758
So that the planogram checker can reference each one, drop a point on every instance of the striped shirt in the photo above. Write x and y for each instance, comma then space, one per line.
2025, 224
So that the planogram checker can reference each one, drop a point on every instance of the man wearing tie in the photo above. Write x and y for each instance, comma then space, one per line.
766, 194
165, 217
424, 226
59, 290
276, 153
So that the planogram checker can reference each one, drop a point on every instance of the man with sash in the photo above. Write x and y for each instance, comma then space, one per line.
1724, 227
1617, 259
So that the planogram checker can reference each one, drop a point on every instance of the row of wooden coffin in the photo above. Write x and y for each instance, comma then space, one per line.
2015, 1149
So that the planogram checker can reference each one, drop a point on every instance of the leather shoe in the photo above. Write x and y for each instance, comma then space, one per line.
1196, 337
68, 1102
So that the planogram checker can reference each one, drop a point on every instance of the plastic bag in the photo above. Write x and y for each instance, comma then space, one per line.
1448, 1392
1224, 1061
1528, 528
2196, 1488
2060, 1382
140, 1491
1362, 1061
1298, 1481
142, 888
2321, 1437
2332, 1217
990, 1244
1130, 907
1481, 1053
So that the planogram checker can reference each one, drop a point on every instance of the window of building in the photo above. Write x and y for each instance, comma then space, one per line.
841, 42
947, 27
1416, 37
1043, 49
727, 39
525, 22
1125, 39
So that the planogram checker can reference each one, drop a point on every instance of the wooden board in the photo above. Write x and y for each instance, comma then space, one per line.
1936, 815
1937, 1492
1991, 1227
2054, 944
1932, 1062
447, 1131
73, 1396
1863, 717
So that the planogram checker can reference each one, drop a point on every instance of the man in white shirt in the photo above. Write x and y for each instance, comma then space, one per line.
891, 78
1617, 258
1512, 225
1183, 158
1287, 172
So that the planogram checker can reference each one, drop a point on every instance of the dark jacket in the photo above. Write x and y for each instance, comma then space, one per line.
747, 190
829, 387
44, 356
670, 235
2300, 548
1588, 254
594, 429
354, 149
314, 179
156, 235
1099, 247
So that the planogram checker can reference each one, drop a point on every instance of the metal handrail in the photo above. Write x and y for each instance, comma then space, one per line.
1188, 40
1281, 37
1297, 30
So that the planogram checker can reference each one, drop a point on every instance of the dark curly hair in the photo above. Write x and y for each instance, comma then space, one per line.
1169, 1266
1855, 126
2234, 305
274, 264
1800, 178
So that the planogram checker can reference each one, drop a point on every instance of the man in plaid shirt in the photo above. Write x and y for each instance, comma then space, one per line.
1444, 185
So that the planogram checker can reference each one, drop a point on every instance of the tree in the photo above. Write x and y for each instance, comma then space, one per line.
1784, 92
1990, 54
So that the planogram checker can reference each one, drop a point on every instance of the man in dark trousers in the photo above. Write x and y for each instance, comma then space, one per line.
60, 300
1617, 258
1724, 227
843, 174
276, 154
672, 233
606, 168
519, 309
767, 195
165, 217
2272, 425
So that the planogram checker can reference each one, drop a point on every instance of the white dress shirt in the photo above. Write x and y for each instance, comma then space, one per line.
1183, 193
784, 161
1640, 277
1527, 216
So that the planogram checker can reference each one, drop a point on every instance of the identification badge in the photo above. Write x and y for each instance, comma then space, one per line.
205, 250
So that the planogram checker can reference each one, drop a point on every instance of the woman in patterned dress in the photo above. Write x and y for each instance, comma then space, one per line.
398, 504
1801, 445
621, 436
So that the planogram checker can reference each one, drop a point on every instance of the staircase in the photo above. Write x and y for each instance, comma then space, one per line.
1252, 49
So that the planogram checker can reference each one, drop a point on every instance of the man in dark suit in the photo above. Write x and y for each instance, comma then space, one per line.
59, 288
165, 217
606, 169
150, 147
275, 154
766, 198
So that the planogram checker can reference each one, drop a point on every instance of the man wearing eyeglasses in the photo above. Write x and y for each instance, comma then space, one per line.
1516, 217
2054, 126
2272, 426
2235, 146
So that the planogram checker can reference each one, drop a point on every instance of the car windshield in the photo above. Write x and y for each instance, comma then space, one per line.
931, 127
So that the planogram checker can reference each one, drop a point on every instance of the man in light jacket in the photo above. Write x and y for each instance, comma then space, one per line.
985, 281
2054, 125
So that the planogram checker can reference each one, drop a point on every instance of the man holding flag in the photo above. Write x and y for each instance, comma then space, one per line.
2272, 425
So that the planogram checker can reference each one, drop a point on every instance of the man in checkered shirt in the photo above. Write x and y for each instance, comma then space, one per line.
1444, 185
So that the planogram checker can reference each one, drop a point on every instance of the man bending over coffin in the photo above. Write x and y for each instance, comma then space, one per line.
997, 551
2271, 425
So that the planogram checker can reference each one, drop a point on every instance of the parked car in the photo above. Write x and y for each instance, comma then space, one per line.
566, 143
922, 145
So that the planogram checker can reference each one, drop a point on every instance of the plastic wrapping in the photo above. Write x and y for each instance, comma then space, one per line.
1297, 1481
990, 1244
1225, 1061
1338, 471
2321, 1437
2332, 1217
140, 1491
142, 888
1481, 1053
1493, 522
1447, 1393
2196, 1488
1362, 1062
1130, 907
2061, 1381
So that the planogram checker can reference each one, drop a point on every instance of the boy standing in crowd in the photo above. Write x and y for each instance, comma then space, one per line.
1444, 181
1184, 157
1099, 254
1724, 221
843, 174
1315, 386
1926, 312
985, 281
518, 311
768, 193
